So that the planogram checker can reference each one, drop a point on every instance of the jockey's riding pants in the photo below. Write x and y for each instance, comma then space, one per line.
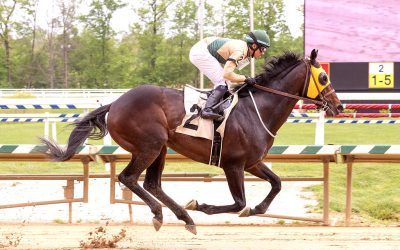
207, 64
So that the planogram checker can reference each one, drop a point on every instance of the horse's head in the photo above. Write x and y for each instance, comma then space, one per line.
287, 76
318, 87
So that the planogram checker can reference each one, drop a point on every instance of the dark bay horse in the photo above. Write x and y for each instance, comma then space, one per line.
144, 119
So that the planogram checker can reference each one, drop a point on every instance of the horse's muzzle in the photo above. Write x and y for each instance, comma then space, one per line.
334, 110
340, 108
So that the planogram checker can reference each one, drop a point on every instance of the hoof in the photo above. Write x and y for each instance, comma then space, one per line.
157, 224
245, 212
192, 205
191, 228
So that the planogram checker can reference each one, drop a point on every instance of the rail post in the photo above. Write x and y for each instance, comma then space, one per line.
54, 131
325, 213
320, 129
46, 125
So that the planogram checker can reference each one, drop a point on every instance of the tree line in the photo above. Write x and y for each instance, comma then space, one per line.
83, 51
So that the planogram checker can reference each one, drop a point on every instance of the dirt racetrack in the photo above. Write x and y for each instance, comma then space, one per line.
41, 227
54, 236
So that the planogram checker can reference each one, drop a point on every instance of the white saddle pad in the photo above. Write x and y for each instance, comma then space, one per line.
199, 127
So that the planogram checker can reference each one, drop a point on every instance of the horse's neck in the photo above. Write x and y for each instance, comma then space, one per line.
274, 109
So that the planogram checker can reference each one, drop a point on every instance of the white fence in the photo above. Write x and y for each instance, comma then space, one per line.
99, 93
62, 93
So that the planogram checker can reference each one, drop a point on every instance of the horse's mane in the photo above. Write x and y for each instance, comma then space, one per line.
277, 64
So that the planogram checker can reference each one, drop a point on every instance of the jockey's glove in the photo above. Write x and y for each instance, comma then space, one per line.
250, 80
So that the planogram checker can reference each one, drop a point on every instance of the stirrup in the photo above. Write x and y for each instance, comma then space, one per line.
205, 114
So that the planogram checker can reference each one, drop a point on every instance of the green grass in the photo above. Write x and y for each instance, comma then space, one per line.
21, 95
376, 186
375, 191
292, 134
59, 221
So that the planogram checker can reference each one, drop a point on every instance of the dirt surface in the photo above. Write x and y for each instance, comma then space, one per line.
100, 224
293, 200
53, 236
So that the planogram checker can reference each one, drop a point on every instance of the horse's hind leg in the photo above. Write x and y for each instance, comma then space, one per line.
129, 177
262, 171
152, 183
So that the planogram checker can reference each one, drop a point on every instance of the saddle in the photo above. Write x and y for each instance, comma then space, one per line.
193, 125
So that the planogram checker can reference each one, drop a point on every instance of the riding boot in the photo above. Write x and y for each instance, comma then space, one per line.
213, 99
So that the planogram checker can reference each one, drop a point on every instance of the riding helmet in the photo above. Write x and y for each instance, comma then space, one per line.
259, 37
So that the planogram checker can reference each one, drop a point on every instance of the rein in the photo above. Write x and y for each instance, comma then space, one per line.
278, 92
297, 97
259, 116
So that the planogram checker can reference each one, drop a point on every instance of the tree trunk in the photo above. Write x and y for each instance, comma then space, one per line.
65, 57
8, 61
51, 66
67, 18
153, 42
6, 40
32, 62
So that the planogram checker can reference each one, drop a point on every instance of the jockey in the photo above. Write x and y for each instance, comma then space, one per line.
217, 58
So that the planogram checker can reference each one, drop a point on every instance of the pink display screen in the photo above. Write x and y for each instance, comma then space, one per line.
353, 30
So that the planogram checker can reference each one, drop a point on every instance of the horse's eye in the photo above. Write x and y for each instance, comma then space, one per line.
323, 78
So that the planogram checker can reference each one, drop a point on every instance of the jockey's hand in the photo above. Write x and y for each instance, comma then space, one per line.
250, 81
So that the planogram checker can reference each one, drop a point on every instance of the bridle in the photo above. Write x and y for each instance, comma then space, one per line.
322, 104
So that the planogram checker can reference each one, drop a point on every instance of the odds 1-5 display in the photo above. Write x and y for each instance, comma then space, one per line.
364, 76
381, 75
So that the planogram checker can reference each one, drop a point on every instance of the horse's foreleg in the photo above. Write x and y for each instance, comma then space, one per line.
235, 179
262, 171
129, 177
152, 183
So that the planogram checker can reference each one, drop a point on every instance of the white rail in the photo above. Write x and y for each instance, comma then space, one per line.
61, 93
98, 93
46, 115
369, 96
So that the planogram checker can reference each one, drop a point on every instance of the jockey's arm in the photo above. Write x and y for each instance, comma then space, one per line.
230, 75
231, 65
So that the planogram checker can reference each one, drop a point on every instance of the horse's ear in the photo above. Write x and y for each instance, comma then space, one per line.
314, 54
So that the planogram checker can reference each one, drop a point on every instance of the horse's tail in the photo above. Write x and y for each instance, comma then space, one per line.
83, 130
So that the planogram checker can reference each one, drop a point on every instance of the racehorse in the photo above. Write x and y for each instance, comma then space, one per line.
144, 119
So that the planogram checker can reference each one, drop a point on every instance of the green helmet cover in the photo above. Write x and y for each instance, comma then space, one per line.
261, 37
